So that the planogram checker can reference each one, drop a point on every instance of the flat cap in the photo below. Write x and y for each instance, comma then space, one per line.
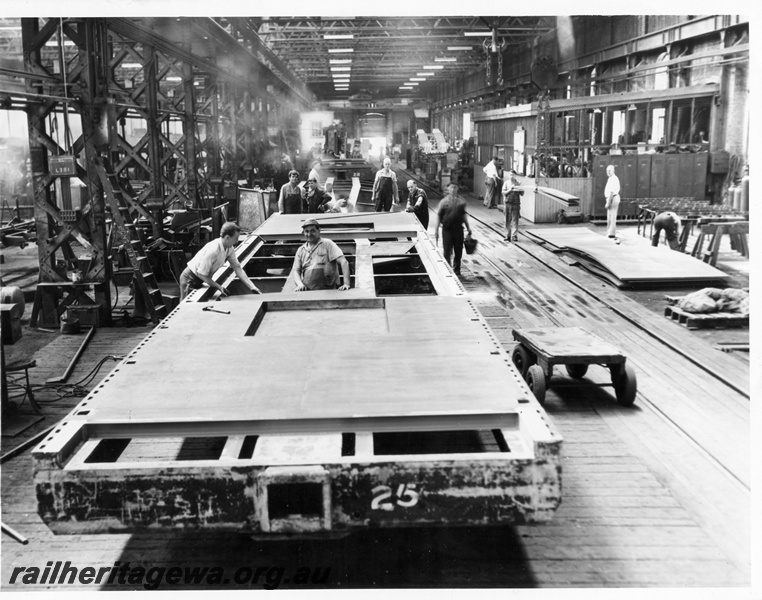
311, 222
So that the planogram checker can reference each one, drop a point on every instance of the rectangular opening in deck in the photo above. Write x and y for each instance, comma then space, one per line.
320, 317
286, 500
151, 449
439, 442
405, 284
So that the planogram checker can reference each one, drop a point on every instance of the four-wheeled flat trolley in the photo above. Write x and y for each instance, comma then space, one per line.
576, 348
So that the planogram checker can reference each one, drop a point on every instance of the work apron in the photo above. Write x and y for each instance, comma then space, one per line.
385, 194
292, 201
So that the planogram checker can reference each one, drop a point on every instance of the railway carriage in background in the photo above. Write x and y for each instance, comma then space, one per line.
314, 413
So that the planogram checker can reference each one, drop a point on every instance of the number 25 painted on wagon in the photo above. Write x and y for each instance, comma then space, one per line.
406, 497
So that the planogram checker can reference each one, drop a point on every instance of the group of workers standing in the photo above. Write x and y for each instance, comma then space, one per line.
313, 198
318, 261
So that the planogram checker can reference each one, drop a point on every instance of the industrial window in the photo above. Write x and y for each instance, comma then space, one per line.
317, 129
658, 116
661, 75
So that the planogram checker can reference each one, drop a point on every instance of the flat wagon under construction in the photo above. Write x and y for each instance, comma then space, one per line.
313, 413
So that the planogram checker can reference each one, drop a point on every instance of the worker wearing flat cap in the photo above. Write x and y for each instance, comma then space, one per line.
210, 258
317, 262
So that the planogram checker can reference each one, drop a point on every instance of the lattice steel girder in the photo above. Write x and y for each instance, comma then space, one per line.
87, 227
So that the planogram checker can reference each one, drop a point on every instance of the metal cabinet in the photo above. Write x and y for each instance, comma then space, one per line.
650, 176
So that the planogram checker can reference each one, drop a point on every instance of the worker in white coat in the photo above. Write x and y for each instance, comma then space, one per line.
613, 187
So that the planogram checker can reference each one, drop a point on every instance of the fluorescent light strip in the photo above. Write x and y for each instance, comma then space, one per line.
131, 66
412, 83
406, 87
339, 36
477, 33
445, 59
340, 61
417, 79
425, 74
341, 68
450, 48
340, 50
174, 78
432, 67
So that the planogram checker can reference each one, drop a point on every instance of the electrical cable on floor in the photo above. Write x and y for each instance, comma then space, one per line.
116, 301
67, 390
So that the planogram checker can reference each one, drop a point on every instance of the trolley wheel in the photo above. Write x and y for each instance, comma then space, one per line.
561, 218
625, 384
576, 371
523, 359
536, 380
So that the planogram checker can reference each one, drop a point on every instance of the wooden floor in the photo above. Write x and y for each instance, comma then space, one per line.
654, 495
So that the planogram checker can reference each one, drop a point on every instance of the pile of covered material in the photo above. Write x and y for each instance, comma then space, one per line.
712, 300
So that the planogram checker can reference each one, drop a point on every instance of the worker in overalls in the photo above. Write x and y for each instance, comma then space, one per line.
670, 223
291, 199
385, 192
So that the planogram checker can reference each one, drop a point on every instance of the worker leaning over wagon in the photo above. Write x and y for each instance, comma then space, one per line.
210, 258
417, 203
317, 262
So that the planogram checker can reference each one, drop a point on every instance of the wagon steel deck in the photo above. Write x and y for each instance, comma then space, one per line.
391, 404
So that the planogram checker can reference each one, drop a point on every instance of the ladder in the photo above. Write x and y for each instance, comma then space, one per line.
122, 208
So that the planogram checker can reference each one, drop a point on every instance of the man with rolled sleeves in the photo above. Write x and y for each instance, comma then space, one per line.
210, 258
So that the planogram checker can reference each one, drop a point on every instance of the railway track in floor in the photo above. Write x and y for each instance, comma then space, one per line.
628, 515
675, 395
551, 313
707, 367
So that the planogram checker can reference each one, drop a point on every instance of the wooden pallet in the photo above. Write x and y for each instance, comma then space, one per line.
720, 320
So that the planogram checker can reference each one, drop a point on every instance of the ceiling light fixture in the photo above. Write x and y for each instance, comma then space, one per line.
340, 61
417, 79
339, 36
425, 74
340, 50
432, 67
445, 59
452, 48
174, 78
477, 33
412, 83
131, 65
341, 68
406, 87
